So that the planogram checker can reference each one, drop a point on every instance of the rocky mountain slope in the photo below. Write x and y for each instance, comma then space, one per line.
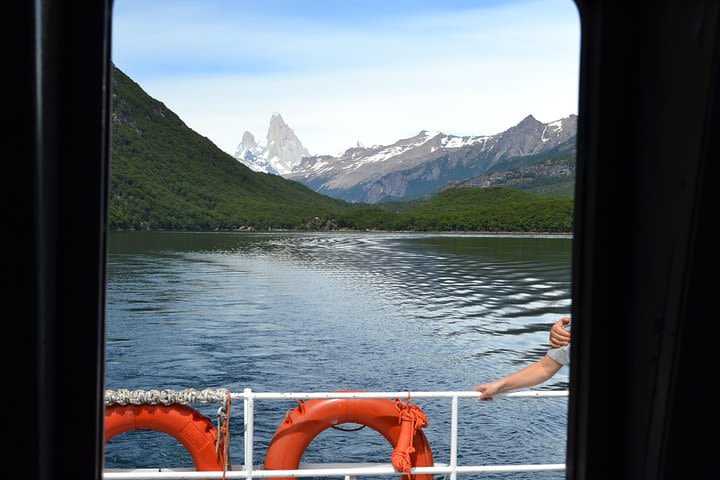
419, 166
549, 177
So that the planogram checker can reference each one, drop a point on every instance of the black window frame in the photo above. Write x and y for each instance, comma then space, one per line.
640, 400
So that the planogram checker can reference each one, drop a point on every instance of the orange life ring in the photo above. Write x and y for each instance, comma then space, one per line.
188, 426
308, 420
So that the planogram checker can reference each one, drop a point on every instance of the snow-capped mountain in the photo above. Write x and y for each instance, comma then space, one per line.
420, 165
279, 153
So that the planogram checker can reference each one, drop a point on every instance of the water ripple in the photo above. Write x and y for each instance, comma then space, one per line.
282, 312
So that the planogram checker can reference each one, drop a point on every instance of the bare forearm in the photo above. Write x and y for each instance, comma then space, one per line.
529, 376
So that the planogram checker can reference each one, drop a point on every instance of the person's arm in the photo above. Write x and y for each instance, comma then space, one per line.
559, 337
529, 376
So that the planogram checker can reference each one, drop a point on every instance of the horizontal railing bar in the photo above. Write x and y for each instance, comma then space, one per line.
328, 472
308, 466
392, 395
241, 467
547, 467
142, 470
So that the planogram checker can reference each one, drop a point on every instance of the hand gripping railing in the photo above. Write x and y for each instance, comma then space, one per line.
247, 470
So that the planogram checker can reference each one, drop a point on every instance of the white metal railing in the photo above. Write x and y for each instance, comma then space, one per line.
347, 470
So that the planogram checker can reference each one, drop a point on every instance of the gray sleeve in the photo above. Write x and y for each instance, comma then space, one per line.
560, 355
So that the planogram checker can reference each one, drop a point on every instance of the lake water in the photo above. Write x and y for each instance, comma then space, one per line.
327, 311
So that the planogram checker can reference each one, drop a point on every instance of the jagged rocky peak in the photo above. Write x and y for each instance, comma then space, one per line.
248, 140
530, 123
277, 126
280, 134
283, 145
281, 151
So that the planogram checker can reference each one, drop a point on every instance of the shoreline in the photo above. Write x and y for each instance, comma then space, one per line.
341, 231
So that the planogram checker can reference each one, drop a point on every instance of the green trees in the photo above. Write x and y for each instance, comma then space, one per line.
471, 209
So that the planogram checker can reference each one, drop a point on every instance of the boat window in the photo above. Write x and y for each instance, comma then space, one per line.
322, 196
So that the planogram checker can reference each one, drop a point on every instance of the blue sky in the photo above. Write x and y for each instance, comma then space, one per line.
346, 71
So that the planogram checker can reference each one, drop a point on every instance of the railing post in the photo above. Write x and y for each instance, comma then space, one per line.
249, 417
453, 437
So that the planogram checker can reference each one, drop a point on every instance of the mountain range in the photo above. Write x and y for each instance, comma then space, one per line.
165, 176
410, 168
